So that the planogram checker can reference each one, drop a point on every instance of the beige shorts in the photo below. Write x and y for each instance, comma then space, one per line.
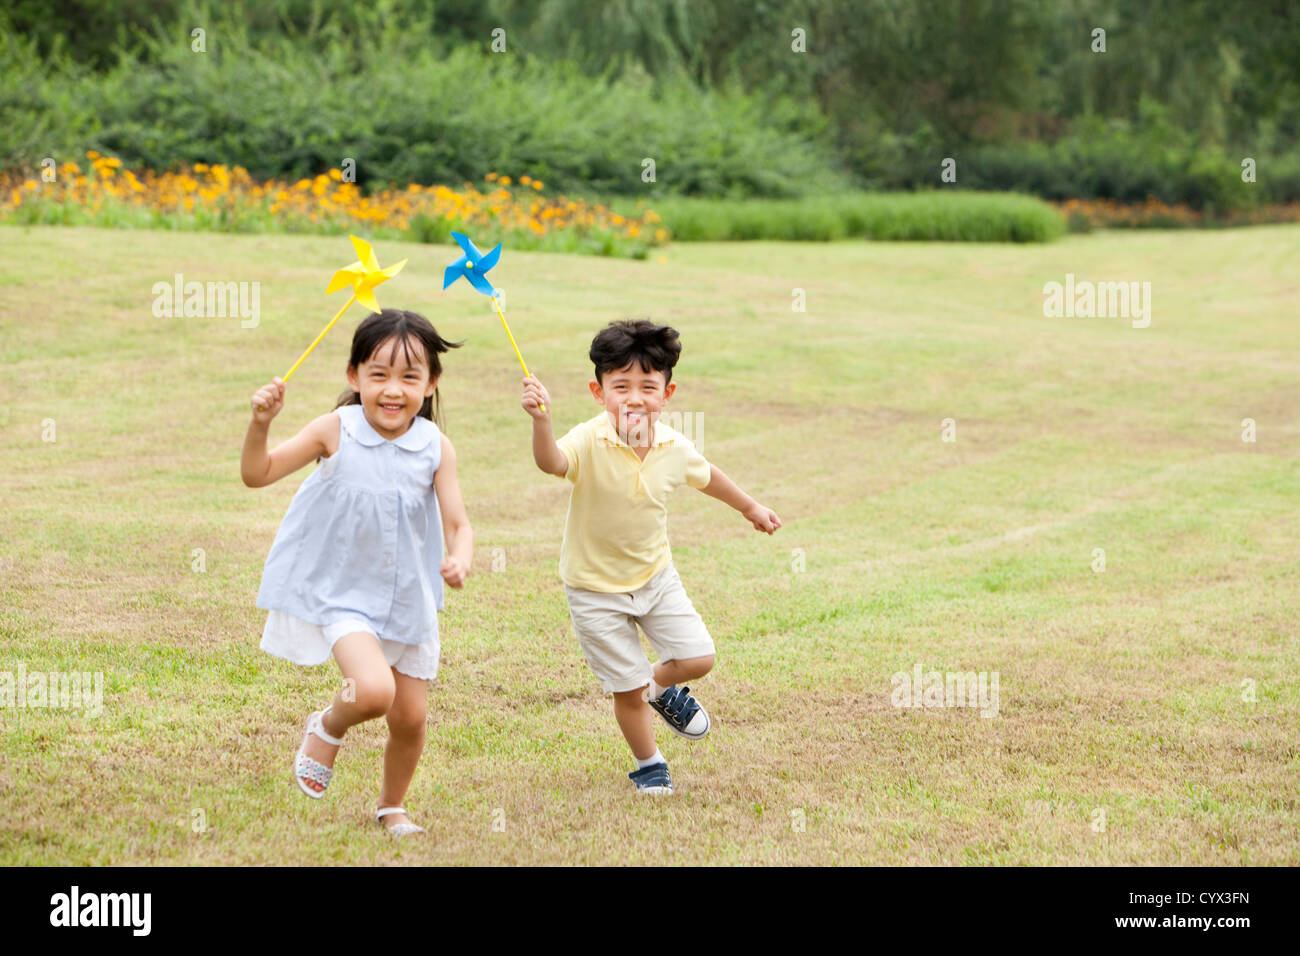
606, 629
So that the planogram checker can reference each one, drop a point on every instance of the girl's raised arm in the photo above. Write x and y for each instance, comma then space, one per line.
256, 466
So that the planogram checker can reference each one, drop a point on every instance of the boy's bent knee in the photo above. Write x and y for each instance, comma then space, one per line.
703, 664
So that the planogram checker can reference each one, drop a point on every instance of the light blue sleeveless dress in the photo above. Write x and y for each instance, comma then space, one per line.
360, 549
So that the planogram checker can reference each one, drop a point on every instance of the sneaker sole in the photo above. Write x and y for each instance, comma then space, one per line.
655, 791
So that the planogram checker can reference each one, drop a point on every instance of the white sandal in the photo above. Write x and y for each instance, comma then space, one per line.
304, 766
402, 829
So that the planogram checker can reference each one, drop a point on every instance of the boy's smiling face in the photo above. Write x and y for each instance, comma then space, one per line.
633, 398
392, 394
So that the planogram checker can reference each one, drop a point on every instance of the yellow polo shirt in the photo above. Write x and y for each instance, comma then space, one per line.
616, 532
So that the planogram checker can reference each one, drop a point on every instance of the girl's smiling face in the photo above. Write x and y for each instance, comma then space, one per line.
393, 384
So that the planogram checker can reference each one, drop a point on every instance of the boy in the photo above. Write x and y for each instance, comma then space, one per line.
615, 561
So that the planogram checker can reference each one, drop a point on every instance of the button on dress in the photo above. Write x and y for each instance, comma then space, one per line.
361, 543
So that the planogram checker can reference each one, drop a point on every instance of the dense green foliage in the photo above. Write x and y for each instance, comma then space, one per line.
712, 90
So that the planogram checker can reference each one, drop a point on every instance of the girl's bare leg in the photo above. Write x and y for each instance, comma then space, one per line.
367, 692
406, 728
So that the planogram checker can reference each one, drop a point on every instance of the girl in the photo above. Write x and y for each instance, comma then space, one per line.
351, 569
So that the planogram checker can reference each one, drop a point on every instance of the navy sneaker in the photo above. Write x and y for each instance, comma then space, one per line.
683, 713
653, 779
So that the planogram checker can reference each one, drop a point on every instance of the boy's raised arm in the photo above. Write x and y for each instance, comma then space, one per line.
546, 453
727, 491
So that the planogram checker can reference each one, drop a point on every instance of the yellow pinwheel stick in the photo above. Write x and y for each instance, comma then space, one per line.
363, 275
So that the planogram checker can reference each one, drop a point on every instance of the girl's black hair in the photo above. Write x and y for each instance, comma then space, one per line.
379, 326
655, 347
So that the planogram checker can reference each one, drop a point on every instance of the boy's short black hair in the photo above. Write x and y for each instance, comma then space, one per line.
655, 347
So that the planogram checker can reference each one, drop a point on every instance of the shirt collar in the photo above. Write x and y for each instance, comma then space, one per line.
414, 438
607, 433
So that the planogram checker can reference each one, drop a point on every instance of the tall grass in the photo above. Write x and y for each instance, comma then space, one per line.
951, 216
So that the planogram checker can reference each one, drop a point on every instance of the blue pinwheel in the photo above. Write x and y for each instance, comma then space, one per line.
473, 265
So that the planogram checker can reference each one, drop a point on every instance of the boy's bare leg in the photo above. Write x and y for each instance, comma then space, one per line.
668, 673
406, 731
633, 715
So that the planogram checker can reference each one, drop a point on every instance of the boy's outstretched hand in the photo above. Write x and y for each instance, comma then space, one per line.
535, 395
764, 519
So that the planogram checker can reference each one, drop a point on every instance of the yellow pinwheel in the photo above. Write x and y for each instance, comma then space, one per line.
363, 275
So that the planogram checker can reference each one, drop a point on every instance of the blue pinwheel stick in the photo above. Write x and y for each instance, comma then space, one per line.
473, 267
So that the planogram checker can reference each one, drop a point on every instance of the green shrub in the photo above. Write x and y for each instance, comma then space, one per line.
289, 106
946, 215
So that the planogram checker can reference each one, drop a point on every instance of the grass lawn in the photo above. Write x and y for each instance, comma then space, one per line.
1147, 714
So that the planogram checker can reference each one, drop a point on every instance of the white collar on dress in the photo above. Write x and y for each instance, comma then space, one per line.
415, 438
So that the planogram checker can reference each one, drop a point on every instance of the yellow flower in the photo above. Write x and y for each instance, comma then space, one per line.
491, 177
661, 235
537, 184
336, 175
92, 155
505, 180
30, 184
525, 180
200, 167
